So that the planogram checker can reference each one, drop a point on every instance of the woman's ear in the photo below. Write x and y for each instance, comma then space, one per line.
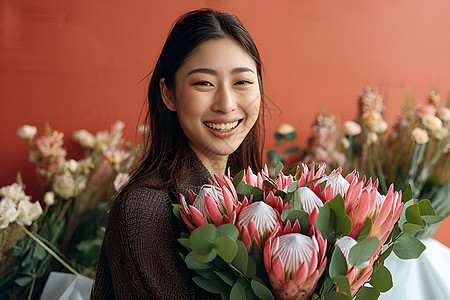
167, 95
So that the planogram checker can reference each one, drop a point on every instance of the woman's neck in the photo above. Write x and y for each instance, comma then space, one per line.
215, 165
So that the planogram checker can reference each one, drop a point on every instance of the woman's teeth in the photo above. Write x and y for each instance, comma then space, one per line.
222, 126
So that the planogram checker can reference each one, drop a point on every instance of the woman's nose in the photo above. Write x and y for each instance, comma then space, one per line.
225, 101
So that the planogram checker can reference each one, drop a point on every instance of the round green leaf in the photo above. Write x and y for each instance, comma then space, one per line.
411, 228
323, 222
343, 284
381, 279
228, 229
237, 291
261, 290
342, 223
202, 239
432, 219
413, 215
212, 286
365, 230
338, 264
193, 264
207, 257
361, 253
226, 248
290, 136
408, 247
336, 296
425, 208
240, 261
367, 293
227, 277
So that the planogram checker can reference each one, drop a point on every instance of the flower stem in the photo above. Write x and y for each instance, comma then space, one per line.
411, 171
33, 283
52, 253
370, 164
379, 169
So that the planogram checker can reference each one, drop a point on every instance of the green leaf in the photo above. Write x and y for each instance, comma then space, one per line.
274, 156
238, 178
367, 293
212, 286
432, 219
365, 230
323, 222
292, 150
176, 210
408, 247
202, 239
261, 290
338, 264
226, 248
380, 260
413, 215
40, 252
23, 281
342, 223
279, 167
381, 279
251, 268
300, 215
268, 184
237, 291
343, 285
227, 276
407, 194
193, 264
290, 136
336, 296
278, 136
411, 228
184, 242
425, 208
240, 261
228, 229
402, 218
292, 187
207, 257
361, 253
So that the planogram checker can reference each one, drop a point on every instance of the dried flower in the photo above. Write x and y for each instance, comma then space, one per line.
420, 135
351, 128
27, 132
434, 98
85, 138
371, 118
432, 122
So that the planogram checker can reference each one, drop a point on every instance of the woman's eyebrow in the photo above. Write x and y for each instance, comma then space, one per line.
214, 72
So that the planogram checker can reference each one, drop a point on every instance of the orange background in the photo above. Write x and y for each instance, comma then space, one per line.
79, 64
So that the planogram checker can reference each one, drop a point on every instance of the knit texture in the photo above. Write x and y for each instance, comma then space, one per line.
139, 257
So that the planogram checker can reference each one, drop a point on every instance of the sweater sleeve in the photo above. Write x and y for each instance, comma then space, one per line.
143, 252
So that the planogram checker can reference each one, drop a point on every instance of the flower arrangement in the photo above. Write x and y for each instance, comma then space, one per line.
69, 222
302, 235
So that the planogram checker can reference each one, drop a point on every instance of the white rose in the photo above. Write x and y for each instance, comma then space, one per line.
27, 132
444, 114
420, 135
49, 198
85, 138
351, 128
8, 212
64, 185
120, 181
29, 212
432, 122
72, 165
14, 192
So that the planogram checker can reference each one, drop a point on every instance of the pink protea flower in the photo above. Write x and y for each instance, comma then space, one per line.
256, 222
257, 179
309, 175
294, 262
356, 277
276, 202
212, 205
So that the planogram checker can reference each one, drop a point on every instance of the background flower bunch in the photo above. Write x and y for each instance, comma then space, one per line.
303, 235
74, 195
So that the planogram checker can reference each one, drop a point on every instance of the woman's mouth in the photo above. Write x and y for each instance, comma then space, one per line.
222, 127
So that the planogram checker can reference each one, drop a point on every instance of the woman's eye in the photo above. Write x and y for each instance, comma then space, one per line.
242, 82
203, 83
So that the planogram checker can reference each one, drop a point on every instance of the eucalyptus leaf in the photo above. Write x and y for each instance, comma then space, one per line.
365, 230
23, 281
381, 279
261, 290
302, 217
411, 228
238, 178
432, 219
237, 291
176, 210
228, 229
292, 150
343, 285
212, 286
227, 276
402, 218
413, 215
279, 167
361, 253
226, 248
184, 242
407, 194
202, 239
338, 264
342, 223
367, 293
268, 184
425, 208
193, 264
408, 247
380, 260
291, 136
336, 296
39, 252
323, 222
240, 261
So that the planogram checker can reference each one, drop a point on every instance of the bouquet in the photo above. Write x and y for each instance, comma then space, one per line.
68, 224
302, 235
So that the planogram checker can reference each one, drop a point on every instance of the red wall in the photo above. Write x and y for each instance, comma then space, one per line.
79, 64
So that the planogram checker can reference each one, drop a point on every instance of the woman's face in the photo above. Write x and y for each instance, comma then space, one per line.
216, 97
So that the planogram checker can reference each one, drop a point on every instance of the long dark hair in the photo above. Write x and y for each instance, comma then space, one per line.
167, 147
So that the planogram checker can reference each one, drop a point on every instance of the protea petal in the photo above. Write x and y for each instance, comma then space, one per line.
197, 217
213, 211
309, 200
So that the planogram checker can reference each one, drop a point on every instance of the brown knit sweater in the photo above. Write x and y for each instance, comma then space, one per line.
139, 258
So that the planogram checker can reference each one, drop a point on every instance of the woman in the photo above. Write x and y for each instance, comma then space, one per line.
204, 99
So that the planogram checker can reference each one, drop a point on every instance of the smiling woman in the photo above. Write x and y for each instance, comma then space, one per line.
205, 114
